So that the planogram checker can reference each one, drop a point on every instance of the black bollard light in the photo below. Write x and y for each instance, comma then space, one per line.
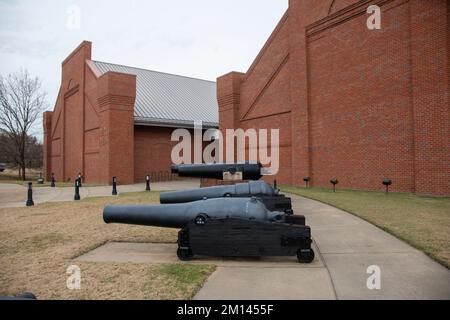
30, 201
334, 182
114, 186
306, 179
77, 190
387, 183
147, 182
275, 185
53, 185
40, 180
79, 179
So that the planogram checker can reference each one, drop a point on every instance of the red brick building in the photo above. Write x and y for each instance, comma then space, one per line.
112, 120
355, 104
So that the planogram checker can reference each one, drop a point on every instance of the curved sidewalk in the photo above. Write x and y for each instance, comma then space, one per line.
345, 247
14, 195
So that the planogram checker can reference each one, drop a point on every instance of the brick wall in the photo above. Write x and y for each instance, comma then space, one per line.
152, 153
351, 103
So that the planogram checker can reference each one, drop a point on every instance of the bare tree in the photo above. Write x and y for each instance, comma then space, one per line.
21, 103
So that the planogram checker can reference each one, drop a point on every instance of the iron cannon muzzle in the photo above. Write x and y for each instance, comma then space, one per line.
157, 216
174, 169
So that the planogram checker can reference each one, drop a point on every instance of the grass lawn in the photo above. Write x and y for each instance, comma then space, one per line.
423, 222
37, 245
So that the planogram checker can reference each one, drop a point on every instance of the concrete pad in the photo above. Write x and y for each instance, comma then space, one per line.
120, 252
410, 275
364, 238
267, 284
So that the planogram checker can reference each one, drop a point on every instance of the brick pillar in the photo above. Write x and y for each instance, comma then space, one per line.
117, 94
47, 150
430, 41
301, 164
228, 97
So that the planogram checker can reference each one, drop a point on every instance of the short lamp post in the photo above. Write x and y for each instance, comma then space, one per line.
307, 180
114, 186
275, 185
147, 183
30, 201
77, 190
53, 185
79, 179
334, 182
40, 180
387, 183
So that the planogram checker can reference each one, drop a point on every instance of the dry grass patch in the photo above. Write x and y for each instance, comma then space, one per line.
423, 222
38, 244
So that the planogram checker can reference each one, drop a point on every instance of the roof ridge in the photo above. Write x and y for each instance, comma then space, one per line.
166, 73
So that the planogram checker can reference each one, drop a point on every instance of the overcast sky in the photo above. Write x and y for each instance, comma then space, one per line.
197, 38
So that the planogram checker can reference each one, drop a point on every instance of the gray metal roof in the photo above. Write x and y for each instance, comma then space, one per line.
164, 99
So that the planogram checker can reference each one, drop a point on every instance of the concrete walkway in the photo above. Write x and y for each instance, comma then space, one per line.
346, 247
14, 195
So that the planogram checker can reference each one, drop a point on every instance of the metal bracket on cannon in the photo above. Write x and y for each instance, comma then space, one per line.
233, 176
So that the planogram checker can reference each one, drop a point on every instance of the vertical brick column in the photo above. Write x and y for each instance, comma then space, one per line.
228, 96
70, 112
117, 95
299, 92
430, 41
47, 122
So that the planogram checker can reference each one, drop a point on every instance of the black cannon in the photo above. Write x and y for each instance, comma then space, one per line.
252, 188
179, 215
22, 296
223, 227
220, 171
271, 197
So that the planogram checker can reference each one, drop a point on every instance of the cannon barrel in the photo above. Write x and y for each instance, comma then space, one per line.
252, 188
250, 171
179, 215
